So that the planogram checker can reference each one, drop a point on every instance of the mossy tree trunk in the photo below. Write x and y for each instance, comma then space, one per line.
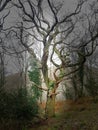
50, 105
51, 98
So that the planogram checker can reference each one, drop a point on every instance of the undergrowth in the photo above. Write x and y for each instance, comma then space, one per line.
17, 109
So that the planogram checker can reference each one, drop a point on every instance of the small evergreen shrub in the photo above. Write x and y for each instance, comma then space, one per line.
18, 106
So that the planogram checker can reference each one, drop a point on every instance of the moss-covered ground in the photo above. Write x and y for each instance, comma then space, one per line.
70, 115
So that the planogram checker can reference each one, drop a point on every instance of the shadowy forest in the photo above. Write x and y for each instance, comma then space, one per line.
48, 64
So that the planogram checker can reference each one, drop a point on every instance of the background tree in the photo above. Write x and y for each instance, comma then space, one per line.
3, 5
16, 107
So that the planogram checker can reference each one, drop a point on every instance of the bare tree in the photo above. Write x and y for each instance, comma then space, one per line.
11, 56
51, 30
3, 4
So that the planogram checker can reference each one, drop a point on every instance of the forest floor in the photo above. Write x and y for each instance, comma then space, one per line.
79, 115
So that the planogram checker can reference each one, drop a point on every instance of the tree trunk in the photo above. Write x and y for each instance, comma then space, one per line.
50, 107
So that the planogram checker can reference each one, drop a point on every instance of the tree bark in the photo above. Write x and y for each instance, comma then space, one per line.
50, 105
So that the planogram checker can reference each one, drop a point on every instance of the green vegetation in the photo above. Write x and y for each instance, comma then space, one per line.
35, 77
17, 108
51, 84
